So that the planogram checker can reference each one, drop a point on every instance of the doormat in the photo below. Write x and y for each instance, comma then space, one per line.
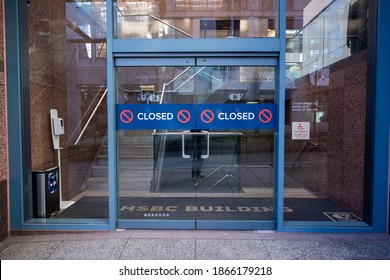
202, 208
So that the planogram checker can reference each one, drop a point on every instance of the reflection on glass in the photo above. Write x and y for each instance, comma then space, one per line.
196, 19
325, 113
327, 36
67, 58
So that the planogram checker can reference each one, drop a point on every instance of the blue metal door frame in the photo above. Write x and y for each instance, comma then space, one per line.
381, 198
129, 59
18, 84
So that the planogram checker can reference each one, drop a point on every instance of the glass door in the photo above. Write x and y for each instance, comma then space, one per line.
196, 146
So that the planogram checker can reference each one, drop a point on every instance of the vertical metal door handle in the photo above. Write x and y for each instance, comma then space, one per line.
188, 132
208, 144
185, 132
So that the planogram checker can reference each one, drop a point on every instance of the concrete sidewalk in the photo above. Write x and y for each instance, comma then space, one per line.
196, 245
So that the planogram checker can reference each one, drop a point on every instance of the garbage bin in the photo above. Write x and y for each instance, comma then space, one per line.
46, 195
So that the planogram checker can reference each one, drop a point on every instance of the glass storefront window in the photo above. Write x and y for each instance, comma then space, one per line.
326, 110
196, 19
327, 100
67, 60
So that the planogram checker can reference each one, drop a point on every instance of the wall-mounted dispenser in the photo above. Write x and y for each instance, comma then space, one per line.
58, 129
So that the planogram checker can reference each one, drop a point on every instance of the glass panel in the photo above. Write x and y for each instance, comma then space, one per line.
196, 19
194, 173
326, 112
67, 61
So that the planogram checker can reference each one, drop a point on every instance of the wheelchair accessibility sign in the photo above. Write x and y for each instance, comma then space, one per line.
196, 116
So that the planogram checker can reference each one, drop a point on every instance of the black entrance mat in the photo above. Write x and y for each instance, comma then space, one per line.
206, 208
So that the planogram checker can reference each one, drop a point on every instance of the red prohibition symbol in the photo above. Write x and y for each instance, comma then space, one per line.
126, 116
265, 116
207, 116
184, 116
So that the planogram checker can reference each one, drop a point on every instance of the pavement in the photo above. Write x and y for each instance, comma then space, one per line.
196, 245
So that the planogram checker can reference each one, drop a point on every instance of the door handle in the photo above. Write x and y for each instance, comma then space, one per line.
189, 132
208, 144
183, 148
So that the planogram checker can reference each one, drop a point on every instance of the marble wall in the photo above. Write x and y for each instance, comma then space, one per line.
3, 138
335, 168
347, 128
47, 58
56, 78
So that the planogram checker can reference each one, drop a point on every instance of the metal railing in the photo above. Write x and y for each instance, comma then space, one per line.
68, 144
170, 82
304, 150
155, 18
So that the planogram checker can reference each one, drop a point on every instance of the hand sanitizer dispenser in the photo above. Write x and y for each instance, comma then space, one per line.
57, 128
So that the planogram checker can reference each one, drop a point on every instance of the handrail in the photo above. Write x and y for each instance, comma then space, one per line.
85, 113
327, 7
186, 81
90, 118
170, 82
170, 25
189, 79
156, 18
314, 145
88, 121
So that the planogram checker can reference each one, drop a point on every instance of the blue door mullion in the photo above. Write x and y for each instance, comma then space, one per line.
112, 141
279, 141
